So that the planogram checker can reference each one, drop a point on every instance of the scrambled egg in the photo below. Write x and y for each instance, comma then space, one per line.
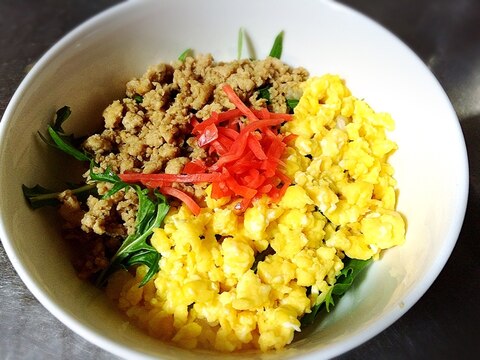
214, 292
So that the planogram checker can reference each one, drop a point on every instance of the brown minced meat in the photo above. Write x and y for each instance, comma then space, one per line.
149, 131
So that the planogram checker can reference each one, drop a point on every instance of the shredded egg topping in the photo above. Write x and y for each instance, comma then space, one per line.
212, 293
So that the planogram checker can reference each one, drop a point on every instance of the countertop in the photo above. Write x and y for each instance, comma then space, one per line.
443, 324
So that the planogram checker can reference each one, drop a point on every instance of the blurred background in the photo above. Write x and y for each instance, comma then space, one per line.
445, 34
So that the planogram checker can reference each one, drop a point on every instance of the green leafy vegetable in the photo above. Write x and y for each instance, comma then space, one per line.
352, 267
292, 103
61, 116
138, 98
39, 196
277, 47
62, 141
240, 43
185, 54
110, 177
135, 249
264, 93
148, 257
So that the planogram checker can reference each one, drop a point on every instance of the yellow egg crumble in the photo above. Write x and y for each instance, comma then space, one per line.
210, 294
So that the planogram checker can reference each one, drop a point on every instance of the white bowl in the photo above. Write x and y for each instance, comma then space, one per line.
88, 69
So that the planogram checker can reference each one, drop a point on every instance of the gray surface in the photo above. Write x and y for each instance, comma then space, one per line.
442, 325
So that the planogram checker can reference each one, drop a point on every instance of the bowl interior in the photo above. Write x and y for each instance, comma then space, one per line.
88, 69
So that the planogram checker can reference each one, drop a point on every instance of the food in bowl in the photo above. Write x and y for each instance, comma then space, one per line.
226, 203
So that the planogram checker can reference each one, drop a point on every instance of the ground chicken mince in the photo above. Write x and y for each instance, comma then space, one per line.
233, 280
